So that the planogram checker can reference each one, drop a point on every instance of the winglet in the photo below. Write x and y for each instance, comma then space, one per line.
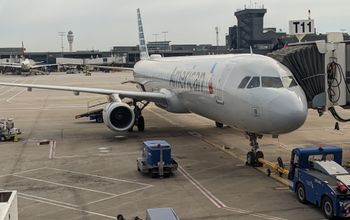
143, 46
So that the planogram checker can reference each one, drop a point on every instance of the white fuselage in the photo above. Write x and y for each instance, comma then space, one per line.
209, 86
26, 65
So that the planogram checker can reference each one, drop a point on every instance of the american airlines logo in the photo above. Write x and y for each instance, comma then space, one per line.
190, 80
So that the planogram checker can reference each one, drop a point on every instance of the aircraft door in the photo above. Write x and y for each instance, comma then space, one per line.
221, 80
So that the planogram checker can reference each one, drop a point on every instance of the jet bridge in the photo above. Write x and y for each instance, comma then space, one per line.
322, 69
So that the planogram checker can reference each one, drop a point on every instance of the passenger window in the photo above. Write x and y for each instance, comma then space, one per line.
271, 82
244, 82
255, 82
289, 81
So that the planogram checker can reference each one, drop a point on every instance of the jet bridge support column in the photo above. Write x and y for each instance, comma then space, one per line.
335, 63
347, 72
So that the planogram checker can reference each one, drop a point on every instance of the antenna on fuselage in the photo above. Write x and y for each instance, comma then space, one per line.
251, 50
143, 46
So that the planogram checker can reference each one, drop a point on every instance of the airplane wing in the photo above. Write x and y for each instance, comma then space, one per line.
38, 62
140, 96
44, 65
114, 68
11, 65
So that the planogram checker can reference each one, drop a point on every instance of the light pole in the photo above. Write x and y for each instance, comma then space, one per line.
62, 34
217, 36
165, 43
156, 37
156, 42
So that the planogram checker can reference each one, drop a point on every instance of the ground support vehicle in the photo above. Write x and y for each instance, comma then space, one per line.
72, 71
161, 214
156, 159
94, 110
92, 115
8, 131
317, 176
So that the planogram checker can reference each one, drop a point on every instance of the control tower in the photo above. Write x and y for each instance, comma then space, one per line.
251, 25
70, 38
250, 31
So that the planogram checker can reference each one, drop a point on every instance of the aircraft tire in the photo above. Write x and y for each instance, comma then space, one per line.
250, 158
141, 123
219, 125
259, 155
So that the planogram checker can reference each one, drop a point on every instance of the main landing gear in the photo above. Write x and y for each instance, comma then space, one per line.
219, 124
139, 119
254, 155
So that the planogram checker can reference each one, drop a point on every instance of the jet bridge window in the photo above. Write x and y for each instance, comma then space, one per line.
289, 81
271, 82
255, 82
244, 82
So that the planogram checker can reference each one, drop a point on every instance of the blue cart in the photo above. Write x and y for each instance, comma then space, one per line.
317, 177
156, 159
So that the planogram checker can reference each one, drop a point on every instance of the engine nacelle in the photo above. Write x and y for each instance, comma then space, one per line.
118, 116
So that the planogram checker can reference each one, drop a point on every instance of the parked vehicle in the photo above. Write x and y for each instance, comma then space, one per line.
156, 159
8, 131
317, 177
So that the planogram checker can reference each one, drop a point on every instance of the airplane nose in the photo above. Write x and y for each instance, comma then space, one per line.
288, 112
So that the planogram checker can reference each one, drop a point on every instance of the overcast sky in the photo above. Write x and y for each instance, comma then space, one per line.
101, 24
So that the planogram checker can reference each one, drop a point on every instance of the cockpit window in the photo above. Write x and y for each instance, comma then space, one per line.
244, 82
255, 82
271, 82
289, 81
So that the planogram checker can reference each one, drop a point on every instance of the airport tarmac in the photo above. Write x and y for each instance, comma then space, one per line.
91, 174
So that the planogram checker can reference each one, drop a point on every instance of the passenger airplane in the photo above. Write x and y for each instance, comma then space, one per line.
253, 93
25, 65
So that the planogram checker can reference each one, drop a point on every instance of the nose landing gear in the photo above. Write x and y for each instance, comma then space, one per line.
254, 155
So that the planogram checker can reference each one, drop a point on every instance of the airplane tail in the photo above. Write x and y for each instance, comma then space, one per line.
143, 46
23, 56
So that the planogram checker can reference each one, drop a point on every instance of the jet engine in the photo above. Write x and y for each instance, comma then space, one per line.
118, 116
